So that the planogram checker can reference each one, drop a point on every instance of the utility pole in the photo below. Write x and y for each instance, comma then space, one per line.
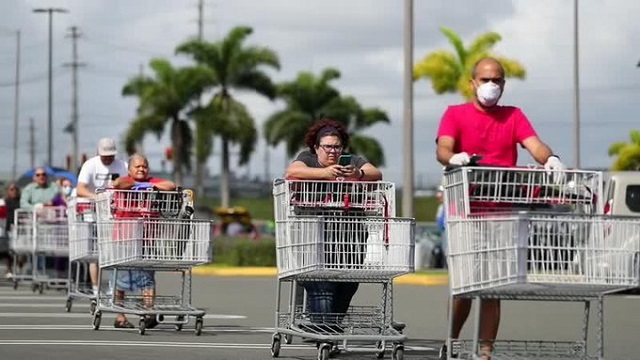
32, 142
199, 180
576, 85
16, 110
74, 64
200, 19
50, 12
408, 166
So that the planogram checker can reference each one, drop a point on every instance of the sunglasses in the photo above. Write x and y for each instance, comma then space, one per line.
41, 174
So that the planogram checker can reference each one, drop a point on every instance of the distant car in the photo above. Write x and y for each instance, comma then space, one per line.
428, 251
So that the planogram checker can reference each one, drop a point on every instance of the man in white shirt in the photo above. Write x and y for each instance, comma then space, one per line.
96, 173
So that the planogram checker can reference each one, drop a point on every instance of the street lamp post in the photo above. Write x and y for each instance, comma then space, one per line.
407, 153
50, 12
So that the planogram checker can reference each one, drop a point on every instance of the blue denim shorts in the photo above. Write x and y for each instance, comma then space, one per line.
134, 280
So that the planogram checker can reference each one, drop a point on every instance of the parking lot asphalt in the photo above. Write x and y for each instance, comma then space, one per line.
240, 320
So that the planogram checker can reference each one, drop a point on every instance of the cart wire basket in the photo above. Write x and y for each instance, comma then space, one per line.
523, 234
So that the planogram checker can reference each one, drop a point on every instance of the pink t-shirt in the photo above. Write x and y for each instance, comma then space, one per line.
493, 135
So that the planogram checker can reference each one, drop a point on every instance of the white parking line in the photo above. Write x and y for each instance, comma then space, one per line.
42, 305
185, 345
110, 328
34, 297
107, 315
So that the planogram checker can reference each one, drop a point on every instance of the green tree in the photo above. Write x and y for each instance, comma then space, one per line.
235, 66
450, 71
309, 98
166, 97
628, 153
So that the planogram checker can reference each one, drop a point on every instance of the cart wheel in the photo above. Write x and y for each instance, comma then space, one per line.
288, 339
380, 347
41, 289
398, 352
160, 318
96, 320
323, 351
198, 326
142, 326
180, 320
15, 285
68, 305
275, 345
92, 307
34, 287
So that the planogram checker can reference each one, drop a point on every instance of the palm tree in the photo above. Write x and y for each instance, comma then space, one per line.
309, 98
449, 72
166, 97
235, 66
628, 153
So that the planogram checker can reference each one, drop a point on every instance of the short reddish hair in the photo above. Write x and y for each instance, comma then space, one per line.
326, 127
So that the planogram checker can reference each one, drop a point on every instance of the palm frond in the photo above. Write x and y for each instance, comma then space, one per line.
455, 40
442, 68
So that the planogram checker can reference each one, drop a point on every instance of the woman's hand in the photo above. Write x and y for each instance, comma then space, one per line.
333, 172
351, 172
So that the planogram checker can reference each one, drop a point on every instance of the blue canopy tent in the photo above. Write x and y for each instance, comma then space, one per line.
53, 172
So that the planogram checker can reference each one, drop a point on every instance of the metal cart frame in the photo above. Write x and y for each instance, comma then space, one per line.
521, 234
83, 250
339, 232
151, 230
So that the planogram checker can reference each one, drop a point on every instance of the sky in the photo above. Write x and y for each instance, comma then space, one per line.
361, 38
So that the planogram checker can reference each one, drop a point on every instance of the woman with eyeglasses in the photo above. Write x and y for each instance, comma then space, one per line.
11, 203
326, 141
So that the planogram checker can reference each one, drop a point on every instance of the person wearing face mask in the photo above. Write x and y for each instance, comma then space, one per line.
66, 193
482, 127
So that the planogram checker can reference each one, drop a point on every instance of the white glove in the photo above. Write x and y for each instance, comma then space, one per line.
554, 167
459, 159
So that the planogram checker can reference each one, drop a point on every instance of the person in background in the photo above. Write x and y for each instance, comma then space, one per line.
11, 203
40, 192
133, 280
482, 127
326, 140
66, 193
97, 173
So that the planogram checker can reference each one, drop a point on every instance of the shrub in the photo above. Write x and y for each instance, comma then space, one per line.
241, 251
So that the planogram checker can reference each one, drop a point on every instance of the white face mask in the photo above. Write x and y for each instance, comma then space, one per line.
489, 93
66, 190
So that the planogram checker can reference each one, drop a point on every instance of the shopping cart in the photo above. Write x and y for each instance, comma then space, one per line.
21, 242
51, 240
83, 250
339, 232
520, 234
151, 230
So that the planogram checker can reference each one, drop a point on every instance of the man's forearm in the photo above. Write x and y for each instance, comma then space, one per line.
443, 156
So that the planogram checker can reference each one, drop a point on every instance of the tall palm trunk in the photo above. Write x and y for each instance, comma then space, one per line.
177, 144
224, 174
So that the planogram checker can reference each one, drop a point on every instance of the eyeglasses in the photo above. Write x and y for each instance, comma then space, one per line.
12, 189
329, 148
41, 174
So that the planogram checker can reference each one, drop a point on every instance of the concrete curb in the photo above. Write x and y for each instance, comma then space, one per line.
409, 279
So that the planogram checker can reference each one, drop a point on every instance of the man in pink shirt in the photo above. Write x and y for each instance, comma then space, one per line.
482, 127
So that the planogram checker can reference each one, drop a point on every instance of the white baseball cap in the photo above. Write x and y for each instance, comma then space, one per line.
107, 147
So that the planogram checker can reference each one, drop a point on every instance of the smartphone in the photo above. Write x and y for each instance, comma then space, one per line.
114, 176
344, 160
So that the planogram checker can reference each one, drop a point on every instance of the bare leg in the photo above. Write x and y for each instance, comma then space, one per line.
461, 309
147, 296
489, 324
93, 274
119, 300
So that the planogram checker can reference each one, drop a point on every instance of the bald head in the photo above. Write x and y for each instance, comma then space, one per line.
138, 167
487, 63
